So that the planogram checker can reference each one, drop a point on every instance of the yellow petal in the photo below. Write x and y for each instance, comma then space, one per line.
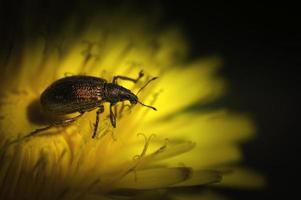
201, 177
171, 150
205, 195
242, 178
213, 128
206, 157
194, 83
154, 178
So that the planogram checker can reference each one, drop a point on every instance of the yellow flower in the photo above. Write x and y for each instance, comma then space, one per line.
148, 153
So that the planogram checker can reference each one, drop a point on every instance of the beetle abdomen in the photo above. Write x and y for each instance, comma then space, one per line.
73, 94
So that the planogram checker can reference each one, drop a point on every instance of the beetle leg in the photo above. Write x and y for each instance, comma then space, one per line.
115, 111
112, 116
141, 74
99, 111
61, 123
39, 130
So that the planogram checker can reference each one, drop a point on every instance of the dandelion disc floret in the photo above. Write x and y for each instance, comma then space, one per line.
148, 153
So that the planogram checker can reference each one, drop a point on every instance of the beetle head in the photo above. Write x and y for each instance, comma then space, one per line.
133, 98
117, 93
128, 95
125, 94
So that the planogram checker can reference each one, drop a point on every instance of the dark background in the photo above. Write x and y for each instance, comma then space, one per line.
261, 49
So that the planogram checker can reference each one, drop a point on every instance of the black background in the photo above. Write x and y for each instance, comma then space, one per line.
261, 48
259, 44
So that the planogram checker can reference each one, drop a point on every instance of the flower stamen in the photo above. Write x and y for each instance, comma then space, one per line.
147, 142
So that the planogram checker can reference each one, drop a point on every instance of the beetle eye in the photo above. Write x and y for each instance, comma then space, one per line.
133, 101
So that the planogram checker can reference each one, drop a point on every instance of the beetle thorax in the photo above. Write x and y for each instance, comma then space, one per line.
116, 93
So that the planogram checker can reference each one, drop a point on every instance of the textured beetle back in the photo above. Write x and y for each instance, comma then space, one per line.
73, 94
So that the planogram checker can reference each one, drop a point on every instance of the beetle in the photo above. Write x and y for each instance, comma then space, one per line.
81, 94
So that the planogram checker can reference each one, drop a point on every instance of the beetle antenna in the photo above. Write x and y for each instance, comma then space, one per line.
148, 106
146, 84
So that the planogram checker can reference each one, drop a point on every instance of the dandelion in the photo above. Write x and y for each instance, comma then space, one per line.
148, 153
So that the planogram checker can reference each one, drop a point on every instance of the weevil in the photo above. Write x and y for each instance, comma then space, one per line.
81, 94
